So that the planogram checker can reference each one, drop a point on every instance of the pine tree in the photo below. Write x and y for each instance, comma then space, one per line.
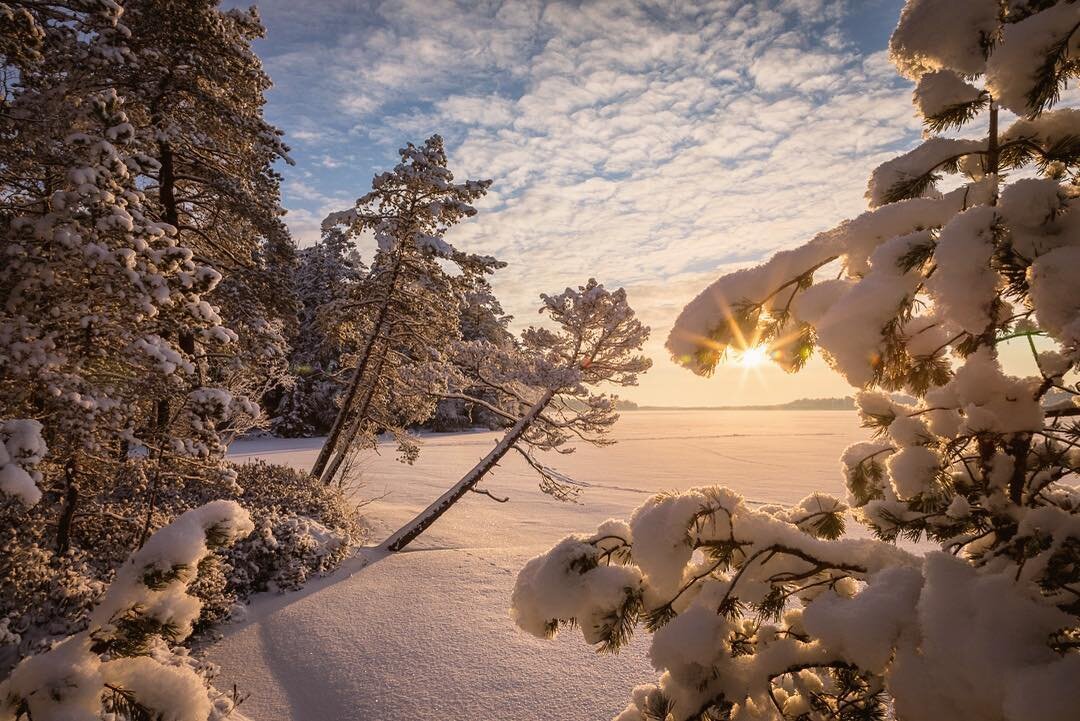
92, 291
106, 327
326, 272
482, 319
406, 311
195, 92
544, 389
769, 613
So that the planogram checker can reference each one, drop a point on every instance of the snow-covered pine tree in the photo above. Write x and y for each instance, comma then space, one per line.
768, 613
326, 272
407, 309
194, 89
545, 388
122, 667
96, 294
47, 40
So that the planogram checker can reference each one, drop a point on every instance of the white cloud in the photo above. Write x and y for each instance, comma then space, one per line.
651, 144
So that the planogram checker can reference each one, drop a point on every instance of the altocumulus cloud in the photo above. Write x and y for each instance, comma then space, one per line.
651, 144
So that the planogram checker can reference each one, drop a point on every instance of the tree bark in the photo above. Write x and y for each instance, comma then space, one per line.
992, 152
67, 513
336, 430
429, 515
167, 185
354, 430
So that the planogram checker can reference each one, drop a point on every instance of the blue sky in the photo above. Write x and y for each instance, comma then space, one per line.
652, 145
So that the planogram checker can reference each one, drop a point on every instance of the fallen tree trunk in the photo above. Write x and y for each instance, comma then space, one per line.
407, 533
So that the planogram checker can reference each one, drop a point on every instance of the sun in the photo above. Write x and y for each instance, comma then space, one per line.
754, 356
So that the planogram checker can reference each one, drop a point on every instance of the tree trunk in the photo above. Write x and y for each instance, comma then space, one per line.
354, 430
167, 185
334, 436
992, 152
67, 513
418, 525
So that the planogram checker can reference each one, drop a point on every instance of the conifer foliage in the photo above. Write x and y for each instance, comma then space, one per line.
195, 88
326, 273
139, 320
770, 612
121, 666
97, 295
406, 311
545, 388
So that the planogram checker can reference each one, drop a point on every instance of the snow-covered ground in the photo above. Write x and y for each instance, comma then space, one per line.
425, 634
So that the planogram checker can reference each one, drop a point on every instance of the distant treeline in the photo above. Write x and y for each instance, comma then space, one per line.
846, 403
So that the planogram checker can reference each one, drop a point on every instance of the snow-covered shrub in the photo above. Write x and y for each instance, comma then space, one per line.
43, 597
770, 613
303, 528
121, 666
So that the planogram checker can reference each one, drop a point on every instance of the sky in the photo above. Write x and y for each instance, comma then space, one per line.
651, 145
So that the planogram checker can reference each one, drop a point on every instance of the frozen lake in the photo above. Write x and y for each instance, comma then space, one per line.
772, 456
426, 633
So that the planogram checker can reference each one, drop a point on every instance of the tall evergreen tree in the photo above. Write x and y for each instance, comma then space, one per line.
195, 91
407, 310
482, 319
121, 146
326, 273
96, 294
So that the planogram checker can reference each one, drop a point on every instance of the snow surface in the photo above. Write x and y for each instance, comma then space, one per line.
426, 633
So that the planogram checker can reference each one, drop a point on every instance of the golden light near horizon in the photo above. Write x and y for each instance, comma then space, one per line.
753, 357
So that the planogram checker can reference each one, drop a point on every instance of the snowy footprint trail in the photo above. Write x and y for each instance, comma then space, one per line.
426, 633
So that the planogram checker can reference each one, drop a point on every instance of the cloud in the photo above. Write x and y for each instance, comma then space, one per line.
650, 144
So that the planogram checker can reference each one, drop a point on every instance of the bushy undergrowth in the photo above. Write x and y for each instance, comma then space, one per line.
302, 528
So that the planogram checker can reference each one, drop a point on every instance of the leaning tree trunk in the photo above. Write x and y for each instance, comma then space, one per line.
358, 424
334, 437
418, 525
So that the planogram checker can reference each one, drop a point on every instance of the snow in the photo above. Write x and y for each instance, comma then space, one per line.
1054, 279
922, 160
16, 482
994, 648
707, 324
659, 535
21, 448
964, 286
993, 401
546, 591
850, 333
941, 90
68, 680
1048, 129
417, 633
1030, 202
175, 550
176, 692
1014, 65
64, 683
707, 319
865, 628
912, 470
935, 34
